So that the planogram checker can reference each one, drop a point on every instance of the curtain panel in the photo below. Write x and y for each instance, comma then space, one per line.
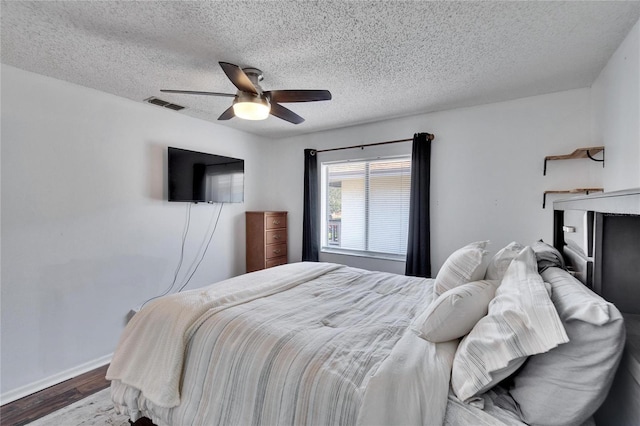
310, 224
418, 261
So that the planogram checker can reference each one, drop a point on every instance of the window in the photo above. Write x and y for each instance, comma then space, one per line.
366, 207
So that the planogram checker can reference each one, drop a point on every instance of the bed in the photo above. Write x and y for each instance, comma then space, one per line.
507, 337
303, 343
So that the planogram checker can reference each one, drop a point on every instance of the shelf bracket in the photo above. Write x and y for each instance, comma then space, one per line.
591, 158
544, 172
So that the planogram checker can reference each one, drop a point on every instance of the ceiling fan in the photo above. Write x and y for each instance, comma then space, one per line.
252, 103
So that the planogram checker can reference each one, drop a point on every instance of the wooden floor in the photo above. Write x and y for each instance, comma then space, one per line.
46, 401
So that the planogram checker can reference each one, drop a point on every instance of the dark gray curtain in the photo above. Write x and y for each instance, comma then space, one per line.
310, 234
419, 245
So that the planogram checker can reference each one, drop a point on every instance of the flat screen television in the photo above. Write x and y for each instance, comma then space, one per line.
199, 177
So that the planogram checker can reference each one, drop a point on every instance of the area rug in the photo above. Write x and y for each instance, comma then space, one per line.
94, 410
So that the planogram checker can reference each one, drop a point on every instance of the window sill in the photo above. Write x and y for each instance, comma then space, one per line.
369, 255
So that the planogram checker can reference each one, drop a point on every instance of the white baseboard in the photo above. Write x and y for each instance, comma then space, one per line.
34, 387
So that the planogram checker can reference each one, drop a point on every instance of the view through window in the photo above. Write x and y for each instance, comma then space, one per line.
366, 206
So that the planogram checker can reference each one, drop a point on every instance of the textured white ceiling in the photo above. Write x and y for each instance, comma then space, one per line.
378, 59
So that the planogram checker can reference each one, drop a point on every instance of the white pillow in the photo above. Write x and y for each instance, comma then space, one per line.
463, 265
500, 262
522, 321
454, 313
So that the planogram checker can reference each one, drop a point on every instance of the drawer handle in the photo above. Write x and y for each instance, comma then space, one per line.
276, 222
277, 237
277, 251
569, 229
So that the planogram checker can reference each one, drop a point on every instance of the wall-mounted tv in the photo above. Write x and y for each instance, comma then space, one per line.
199, 177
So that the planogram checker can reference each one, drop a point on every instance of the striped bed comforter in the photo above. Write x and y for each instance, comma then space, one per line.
306, 343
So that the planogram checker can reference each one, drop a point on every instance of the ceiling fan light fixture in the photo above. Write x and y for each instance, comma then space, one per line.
251, 108
252, 103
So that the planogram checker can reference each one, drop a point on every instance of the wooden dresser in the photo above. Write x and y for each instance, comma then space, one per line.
266, 239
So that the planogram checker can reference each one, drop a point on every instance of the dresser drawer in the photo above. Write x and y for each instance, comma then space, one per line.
276, 261
276, 250
275, 221
277, 236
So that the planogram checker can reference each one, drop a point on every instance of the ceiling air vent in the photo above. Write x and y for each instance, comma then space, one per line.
165, 104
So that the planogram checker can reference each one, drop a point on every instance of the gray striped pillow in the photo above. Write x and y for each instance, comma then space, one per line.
500, 262
522, 321
463, 266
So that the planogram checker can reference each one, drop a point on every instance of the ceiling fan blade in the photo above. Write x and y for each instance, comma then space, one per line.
193, 92
228, 114
298, 95
238, 77
285, 114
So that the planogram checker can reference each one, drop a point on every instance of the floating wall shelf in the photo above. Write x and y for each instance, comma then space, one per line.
569, 191
578, 153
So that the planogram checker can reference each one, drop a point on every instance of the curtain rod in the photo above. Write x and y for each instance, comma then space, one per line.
429, 137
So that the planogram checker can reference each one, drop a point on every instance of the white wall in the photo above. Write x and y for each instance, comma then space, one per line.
86, 231
486, 178
616, 114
